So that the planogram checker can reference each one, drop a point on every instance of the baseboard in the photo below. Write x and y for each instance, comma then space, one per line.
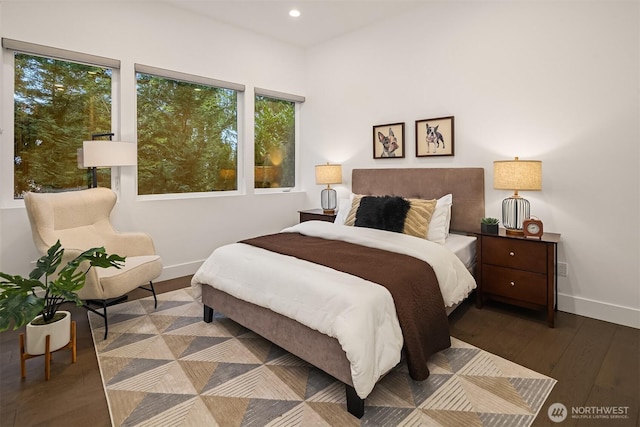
179, 270
621, 315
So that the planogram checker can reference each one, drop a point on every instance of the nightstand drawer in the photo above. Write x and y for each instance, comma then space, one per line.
515, 284
512, 253
316, 215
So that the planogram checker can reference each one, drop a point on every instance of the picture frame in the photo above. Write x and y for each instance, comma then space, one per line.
388, 141
435, 137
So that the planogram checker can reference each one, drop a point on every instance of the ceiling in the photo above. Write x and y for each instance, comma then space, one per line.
320, 20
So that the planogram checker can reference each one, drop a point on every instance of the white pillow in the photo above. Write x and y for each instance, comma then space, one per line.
446, 234
344, 205
440, 220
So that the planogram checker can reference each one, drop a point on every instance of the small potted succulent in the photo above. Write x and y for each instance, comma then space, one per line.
489, 225
35, 300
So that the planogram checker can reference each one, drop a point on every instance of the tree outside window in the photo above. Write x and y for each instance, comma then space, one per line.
275, 146
187, 136
57, 104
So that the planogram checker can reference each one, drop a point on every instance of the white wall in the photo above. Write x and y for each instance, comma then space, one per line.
185, 231
554, 81
2, 142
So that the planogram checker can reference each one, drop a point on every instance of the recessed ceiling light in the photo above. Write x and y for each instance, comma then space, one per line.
294, 13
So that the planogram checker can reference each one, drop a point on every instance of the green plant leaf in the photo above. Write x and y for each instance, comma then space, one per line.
18, 284
19, 309
47, 264
489, 220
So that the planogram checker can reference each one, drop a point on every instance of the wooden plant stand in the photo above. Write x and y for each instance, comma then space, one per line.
47, 353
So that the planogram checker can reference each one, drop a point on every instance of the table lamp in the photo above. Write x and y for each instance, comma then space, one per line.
329, 174
516, 175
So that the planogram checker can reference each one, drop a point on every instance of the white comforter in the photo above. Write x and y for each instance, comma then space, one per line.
331, 302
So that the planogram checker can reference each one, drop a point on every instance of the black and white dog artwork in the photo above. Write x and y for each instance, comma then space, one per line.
389, 144
434, 137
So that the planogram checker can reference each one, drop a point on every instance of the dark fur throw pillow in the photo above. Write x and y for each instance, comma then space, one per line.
382, 212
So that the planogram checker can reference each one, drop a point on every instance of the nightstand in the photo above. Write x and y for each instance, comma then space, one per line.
518, 270
316, 215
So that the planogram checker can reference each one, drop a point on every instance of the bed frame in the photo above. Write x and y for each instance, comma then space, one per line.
322, 351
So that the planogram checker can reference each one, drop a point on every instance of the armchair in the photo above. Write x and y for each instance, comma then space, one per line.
80, 220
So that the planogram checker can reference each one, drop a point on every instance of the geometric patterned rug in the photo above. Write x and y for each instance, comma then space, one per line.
165, 366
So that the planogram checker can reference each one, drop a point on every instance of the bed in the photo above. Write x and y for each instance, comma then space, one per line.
298, 327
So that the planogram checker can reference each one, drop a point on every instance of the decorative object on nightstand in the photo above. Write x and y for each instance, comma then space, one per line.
519, 271
329, 174
516, 175
489, 225
532, 227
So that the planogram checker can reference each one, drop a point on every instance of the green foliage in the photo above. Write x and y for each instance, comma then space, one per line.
19, 301
187, 134
58, 104
275, 137
489, 221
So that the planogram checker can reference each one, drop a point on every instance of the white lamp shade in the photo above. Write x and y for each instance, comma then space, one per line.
103, 154
329, 174
517, 175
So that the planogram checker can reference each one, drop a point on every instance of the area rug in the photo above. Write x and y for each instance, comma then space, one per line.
166, 367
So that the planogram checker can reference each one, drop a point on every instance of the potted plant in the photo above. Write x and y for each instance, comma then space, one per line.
489, 225
35, 301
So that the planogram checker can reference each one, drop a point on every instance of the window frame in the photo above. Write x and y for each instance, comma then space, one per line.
245, 121
240, 118
7, 92
298, 101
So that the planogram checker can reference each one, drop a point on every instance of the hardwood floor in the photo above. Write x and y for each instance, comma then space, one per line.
597, 365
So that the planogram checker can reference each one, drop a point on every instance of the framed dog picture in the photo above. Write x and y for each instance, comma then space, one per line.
434, 137
388, 141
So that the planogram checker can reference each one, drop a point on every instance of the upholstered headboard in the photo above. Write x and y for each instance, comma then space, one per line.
465, 184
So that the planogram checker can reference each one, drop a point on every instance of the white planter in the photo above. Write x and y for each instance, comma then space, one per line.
59, 331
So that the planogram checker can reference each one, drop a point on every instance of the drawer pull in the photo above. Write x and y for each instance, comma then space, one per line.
512, 253
513, 283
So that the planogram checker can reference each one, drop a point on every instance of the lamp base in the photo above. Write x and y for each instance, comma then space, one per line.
329, 200
328, 211
515, 210
514, 232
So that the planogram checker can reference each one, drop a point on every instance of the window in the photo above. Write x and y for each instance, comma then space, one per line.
187, 133
57, 105
275, 141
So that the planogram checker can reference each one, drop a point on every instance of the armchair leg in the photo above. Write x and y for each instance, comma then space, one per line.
106, 319
104, 303
153, 291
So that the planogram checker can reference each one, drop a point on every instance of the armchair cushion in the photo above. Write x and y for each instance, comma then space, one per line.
115, 282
